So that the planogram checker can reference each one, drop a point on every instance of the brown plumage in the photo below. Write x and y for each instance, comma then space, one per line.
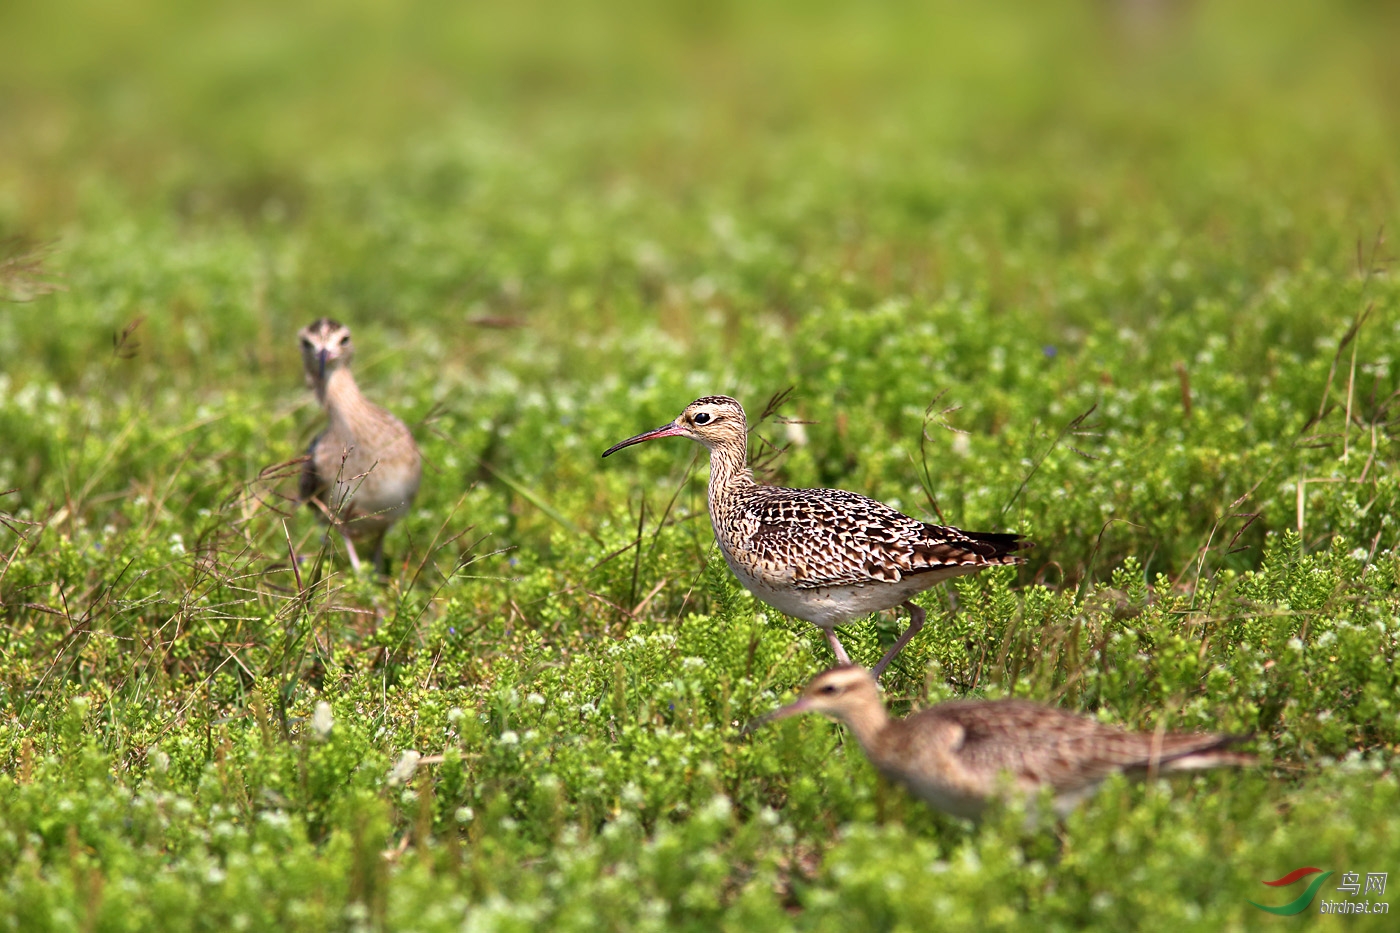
958, 755
824, 555
362, 472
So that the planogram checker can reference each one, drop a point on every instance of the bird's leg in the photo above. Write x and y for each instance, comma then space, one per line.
378, 563
842, 658
916, 622
350, 552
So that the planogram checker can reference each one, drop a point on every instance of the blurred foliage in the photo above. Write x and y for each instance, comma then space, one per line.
1113, 274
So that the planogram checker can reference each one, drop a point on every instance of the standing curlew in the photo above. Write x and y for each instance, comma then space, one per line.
824, 555
958, 755
362, 471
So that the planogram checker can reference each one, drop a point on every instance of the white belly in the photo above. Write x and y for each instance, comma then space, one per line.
830, 606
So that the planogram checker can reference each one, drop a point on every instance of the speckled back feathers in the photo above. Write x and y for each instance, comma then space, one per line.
831, 537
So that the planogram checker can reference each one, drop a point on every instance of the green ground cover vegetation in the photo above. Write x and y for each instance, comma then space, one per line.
1121, 284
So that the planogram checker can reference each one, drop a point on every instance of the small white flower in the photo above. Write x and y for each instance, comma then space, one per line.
465, 814
718, 809
275, 818
509, 738
322, 720
403, 771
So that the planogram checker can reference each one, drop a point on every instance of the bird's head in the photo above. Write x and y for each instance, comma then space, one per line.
325, 347
715, 421
840, 693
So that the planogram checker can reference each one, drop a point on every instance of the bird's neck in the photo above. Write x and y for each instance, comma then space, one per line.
729, 469
867, 721
341, 398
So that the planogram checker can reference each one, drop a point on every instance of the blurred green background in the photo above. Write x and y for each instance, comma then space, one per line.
917, 149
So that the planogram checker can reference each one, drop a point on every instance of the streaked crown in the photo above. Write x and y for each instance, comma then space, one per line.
714, 420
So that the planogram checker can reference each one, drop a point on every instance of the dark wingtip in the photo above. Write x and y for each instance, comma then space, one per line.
1230, 740
1213, 751
1000, 544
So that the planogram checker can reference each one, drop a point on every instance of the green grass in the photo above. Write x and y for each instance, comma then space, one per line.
1025, 268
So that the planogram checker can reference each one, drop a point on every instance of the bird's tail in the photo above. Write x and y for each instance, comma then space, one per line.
1198, 752
999, 547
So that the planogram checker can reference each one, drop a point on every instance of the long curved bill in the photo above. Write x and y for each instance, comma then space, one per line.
802, 705
666, 430
321, 360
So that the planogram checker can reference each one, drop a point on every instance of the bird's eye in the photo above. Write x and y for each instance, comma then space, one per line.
828, 689
702, 418
344, 340
305, 344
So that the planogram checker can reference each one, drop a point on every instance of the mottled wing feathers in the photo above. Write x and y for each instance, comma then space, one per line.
830, 537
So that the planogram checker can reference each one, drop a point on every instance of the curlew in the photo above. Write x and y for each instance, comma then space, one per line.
959, 755
362, 472
823, 555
